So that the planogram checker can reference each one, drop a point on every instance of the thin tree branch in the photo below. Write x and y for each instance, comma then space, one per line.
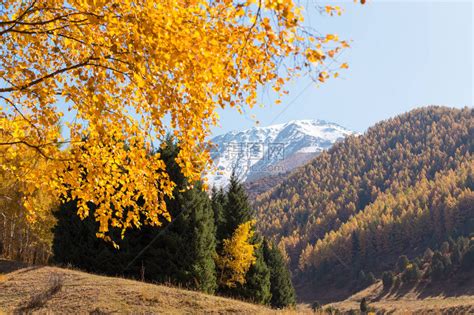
37, 148
20, 113
21, 16
50, 75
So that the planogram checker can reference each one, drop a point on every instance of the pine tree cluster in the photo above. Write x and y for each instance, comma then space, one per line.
453, 256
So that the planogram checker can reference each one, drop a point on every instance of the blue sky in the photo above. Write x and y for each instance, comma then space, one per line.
404, 54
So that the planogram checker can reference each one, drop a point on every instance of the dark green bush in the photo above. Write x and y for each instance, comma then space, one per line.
387, 279
316, 306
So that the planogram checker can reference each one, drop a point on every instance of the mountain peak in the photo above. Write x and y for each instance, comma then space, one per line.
270, 150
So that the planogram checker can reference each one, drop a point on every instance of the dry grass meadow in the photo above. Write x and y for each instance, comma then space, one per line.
53, 290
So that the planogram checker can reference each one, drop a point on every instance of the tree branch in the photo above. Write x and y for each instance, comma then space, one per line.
37, 148
20, 113
50, 75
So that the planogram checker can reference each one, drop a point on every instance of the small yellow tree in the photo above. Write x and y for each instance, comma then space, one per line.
237, 256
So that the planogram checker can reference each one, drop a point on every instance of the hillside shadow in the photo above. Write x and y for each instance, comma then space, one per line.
7, 266
309, 293
382, 294
38, 300
461, 284
403, 289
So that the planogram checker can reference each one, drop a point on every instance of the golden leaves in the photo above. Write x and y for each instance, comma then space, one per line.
22, 170
331, 37
331, 10
238, 255
129, 72
323, 76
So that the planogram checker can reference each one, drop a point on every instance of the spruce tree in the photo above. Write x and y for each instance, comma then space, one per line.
402, 263
257, 281
237, 207
76, 244
456, 255
218, 201
363, 306
437, 267
370, 279
355, 251
467, 263
183, 250
428, 255
412, 273
202, 242
361, 279
387, 279
281, 288
236, 211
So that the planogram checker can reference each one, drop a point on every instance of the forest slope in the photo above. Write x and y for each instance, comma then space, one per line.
404, 185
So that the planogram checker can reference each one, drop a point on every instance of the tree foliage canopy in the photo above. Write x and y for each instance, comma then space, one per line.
119, 72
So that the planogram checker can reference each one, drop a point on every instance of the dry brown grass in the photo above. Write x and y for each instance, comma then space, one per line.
34, 289
416, 299
52, 290
37, 301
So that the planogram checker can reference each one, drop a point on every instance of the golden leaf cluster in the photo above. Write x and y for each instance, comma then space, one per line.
237, 255
122, 74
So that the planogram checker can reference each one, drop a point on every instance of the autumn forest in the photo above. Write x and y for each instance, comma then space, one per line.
107, 114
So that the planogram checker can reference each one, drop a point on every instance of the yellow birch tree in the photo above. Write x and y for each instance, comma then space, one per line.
121, 72
237, 255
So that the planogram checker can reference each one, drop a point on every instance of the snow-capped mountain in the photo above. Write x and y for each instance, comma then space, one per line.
263, 151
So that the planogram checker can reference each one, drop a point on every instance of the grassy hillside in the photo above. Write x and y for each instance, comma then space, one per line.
450, 297
44, 289
52, 289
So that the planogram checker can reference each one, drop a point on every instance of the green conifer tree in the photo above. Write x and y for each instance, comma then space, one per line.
387, 279
281, 288
237, 206
202, 241
218, 201
236, 211
363, 306
402, 263
76, 244
257, 281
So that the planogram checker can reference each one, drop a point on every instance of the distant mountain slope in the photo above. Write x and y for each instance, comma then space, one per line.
264, 151
405, 184
264, 184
